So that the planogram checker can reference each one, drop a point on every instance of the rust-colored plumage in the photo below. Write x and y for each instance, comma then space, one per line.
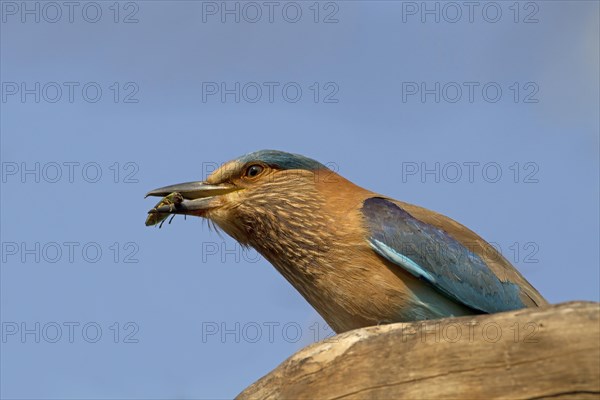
342, 246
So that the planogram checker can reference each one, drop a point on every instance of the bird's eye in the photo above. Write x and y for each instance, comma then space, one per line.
254, 170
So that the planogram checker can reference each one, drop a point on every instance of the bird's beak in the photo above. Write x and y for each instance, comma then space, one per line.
197, 197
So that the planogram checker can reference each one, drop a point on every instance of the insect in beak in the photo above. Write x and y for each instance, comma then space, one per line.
171, 200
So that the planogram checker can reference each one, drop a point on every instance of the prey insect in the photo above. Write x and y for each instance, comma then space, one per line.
171, 200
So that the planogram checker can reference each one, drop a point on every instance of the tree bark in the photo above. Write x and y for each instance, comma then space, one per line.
533, 353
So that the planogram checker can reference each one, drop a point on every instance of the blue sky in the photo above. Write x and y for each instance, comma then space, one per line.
488, 115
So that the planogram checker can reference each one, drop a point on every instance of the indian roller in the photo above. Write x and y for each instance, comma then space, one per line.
358, 257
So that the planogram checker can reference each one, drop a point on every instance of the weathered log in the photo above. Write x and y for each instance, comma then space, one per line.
533, 353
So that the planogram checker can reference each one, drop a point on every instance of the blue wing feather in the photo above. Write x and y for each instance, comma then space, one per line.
433, 255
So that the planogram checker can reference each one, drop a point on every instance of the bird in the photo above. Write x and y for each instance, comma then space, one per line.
358, 257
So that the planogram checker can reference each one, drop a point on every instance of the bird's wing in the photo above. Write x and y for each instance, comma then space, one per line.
434, 255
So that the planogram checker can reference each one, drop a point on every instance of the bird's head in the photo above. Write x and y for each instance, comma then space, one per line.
255, 190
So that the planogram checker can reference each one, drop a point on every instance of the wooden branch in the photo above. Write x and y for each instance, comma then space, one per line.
533, 353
